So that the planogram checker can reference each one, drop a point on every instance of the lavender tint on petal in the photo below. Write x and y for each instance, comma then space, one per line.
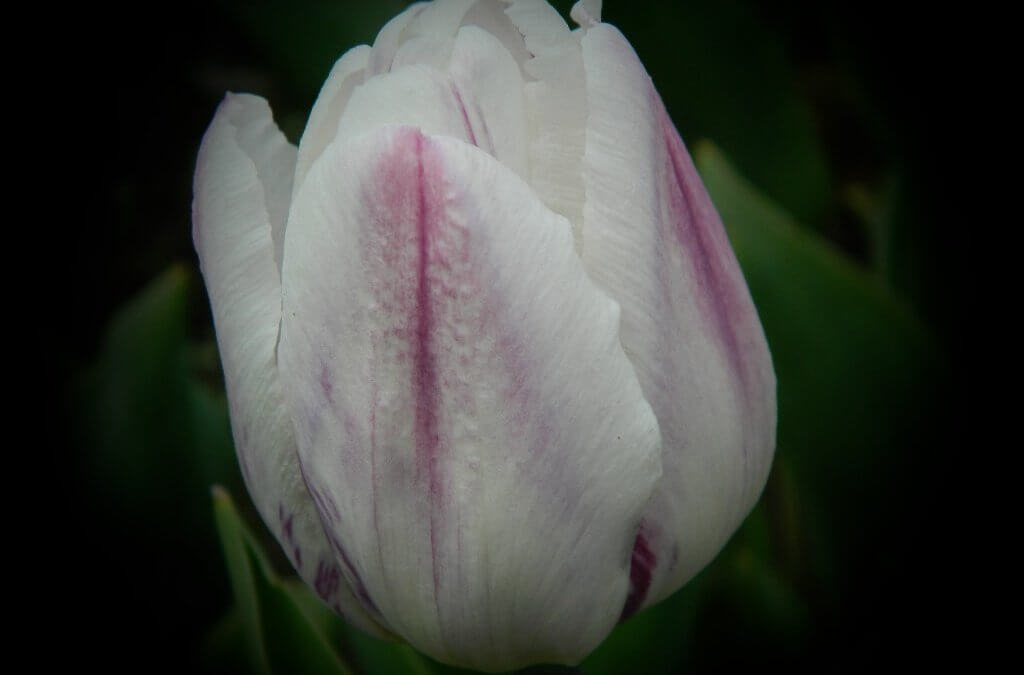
700, 231
465, 115
325, 383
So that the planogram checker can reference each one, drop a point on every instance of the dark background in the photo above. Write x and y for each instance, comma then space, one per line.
843, 117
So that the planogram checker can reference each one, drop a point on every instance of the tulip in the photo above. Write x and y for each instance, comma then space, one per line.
496, 381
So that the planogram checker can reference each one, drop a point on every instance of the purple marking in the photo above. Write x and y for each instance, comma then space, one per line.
699, 231
355, 581
424, 368
287, 529
641, 569
288, 534
326, 507
327, 579
325, 382
465, 116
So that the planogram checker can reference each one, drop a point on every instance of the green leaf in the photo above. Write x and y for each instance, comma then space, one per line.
156, 434
366, 654
374, 655
860, 384
225, 648
660, 638
281, 637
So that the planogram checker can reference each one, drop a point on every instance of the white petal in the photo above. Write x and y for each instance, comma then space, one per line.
242, 186
417, 95
543, 30
347, 73
472, 430
422, 34
586, 13
490, 16
490, 86
654, 242
556, 105
390, 38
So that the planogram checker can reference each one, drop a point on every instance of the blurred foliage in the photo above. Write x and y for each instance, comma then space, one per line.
279, 634
814, 158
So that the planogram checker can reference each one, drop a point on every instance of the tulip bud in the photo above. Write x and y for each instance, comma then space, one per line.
496, 381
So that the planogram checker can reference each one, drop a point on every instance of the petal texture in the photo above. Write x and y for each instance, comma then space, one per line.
654, 242
242, 188
475, 438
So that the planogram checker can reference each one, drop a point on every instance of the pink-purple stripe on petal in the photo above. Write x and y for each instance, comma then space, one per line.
424, 368
465, 115
409, 189
641, 570
700, 232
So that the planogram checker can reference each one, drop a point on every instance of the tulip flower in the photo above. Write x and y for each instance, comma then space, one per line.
496, 381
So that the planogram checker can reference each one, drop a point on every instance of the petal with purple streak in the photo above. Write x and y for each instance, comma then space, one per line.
653, 241
485, 439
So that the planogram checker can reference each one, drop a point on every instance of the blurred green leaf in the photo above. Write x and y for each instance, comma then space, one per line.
154, 436
660, 638
158, 436
225, 649
366, 654
373, 655
860, 380
279, 634
750, 614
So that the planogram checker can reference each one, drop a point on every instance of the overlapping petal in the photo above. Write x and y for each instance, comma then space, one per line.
242, 188
653, 241
321, 128
475, 439
556, 106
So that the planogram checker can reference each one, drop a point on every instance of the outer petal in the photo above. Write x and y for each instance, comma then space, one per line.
475, 437
242, 186
653, 241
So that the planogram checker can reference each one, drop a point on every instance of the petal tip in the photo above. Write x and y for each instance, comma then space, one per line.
586, 13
